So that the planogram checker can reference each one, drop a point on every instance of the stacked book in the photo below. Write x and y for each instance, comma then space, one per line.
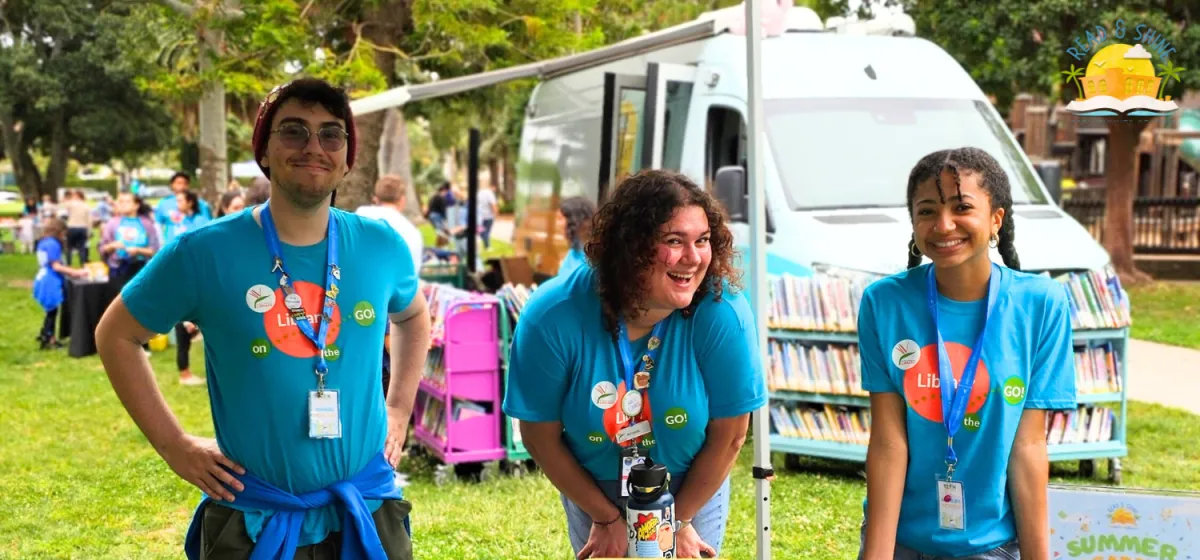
1084, 425
514, 297
822, 423
435, 368
1097, 299
1097, 369
823, 302
814, 368
433, 415
439, 297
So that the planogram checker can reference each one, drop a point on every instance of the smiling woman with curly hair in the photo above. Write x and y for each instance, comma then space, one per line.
658, 321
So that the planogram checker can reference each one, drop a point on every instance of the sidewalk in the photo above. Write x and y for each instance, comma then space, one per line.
1166, 375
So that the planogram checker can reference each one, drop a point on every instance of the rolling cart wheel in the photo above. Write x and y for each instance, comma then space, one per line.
791, 462
442, 475
517, 469
1114, 471
1087, 468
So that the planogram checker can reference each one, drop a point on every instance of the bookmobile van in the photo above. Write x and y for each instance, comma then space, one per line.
847, 116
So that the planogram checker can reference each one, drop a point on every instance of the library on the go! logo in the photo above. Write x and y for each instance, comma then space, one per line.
1126, 71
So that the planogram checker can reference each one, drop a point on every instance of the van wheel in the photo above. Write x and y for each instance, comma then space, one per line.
1087, 468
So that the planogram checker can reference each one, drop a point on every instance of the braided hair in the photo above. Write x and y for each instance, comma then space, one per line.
992, 180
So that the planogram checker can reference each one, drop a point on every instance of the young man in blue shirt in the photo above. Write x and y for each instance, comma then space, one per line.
167, 214
306, 445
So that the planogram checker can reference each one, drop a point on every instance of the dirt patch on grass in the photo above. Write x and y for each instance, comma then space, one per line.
20, 284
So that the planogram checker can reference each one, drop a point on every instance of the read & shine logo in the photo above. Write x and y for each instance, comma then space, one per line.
1122, 78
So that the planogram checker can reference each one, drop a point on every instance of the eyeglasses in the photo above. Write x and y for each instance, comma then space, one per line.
295, 136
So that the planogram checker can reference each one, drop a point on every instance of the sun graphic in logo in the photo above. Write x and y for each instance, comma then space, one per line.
1123, 516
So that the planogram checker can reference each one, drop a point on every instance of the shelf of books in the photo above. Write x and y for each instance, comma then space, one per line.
814, 374
513, 298
457, 410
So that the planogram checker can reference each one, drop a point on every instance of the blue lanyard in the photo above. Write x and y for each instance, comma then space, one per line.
285, 282
954, 402
628, 364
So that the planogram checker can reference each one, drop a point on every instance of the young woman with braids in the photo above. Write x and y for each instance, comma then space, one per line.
985, 346
661, 286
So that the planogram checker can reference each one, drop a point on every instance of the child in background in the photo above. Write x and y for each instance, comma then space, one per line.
48, 286
25, 232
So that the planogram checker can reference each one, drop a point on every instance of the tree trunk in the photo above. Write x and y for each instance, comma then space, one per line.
56, 174
395, 158
1120, 186
15, 150
493, 164
510, 173
33, 182
214, 155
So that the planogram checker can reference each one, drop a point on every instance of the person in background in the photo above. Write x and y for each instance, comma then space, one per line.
307, 446
48, 287
486, 209
959, 343
662, 299
232, 202
31, 205
167, 214
48, 209
128, 239
435, 210
25, 231
389, 207
186, 204
259, 191
103, 210
79, 224
574, 217
234, 186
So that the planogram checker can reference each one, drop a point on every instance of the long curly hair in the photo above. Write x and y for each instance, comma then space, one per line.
992, 180
625, 232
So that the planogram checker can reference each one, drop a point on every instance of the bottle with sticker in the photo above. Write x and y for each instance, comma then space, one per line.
650, 512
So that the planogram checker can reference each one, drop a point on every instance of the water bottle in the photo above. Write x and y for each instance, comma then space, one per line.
650, 512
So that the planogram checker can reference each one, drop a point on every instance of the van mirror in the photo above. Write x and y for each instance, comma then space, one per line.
731, 191
1052, 175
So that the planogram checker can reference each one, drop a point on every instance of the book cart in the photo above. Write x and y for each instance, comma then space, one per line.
819, 409
456, 416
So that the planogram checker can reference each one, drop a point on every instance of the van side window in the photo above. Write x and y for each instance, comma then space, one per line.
678, 100
725, 141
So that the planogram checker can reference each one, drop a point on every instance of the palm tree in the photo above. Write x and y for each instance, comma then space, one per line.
1074, 74
1168, 72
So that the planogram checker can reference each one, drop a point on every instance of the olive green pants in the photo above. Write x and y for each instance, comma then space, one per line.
223, 534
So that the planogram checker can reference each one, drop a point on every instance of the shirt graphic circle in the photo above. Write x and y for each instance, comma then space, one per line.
905, 354
286, 335
260, 348
364, 314
922, 387
604, 395
260, 298
615, 420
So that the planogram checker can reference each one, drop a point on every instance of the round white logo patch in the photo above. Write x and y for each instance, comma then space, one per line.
906, 353
604, 395
260, 298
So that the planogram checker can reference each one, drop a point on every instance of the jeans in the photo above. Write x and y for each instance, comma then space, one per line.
1008, 551
709, 521
485, 232
77, 242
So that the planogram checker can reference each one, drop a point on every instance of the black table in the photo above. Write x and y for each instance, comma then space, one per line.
86, 302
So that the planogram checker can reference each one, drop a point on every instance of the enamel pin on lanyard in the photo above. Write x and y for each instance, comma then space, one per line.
951, 507
324, 415
631, 403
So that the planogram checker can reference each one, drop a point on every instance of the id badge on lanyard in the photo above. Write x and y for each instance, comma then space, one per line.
324, 410
950, 495
637, 426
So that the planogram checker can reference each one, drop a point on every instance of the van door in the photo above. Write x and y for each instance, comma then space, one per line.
644, 121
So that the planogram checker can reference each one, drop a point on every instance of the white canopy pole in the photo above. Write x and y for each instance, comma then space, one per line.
758, 266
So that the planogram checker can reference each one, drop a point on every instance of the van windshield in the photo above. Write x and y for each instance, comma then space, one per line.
858, 152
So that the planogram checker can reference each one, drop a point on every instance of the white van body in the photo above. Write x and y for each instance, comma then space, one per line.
846, 118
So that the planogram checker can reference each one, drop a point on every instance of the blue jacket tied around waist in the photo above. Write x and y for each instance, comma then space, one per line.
282, 531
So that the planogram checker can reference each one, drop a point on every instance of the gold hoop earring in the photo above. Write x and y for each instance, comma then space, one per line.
995, 242
912, 249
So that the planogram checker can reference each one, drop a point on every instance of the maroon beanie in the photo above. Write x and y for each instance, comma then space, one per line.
266, 113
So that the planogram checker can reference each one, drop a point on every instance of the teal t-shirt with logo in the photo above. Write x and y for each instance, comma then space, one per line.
565, 366
259, 365
1027, 363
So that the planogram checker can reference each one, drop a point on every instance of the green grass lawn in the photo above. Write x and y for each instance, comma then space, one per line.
1167, 312
80, 481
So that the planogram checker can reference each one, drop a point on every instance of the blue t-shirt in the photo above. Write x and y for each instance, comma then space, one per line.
565, 367
168, 216
575, 258
132, 233
187, 223
1027, 362
259, 364
48, 283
